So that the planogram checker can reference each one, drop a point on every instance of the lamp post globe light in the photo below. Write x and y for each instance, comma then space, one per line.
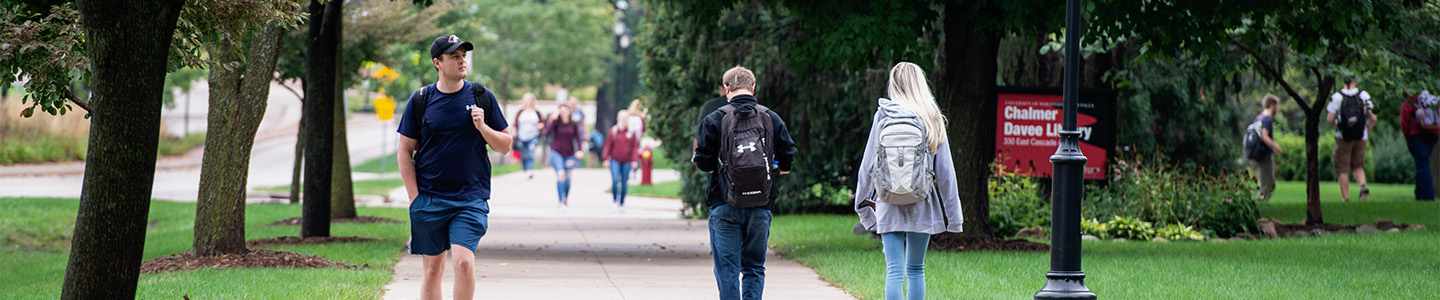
1065, 280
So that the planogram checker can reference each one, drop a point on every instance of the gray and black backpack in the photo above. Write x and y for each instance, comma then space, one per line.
746, 136
904, 171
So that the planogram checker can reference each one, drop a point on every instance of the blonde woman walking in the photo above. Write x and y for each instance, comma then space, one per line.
906, 188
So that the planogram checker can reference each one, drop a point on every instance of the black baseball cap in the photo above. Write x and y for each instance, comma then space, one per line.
446, 44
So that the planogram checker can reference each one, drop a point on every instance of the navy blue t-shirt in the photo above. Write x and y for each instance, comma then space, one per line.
450, 158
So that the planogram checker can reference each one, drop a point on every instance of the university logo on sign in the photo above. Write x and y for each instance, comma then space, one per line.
1028, 125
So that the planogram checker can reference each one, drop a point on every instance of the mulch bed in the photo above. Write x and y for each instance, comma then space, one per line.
1285, 229
954, 243
256, 258
360, 219
295, 240
1289, 230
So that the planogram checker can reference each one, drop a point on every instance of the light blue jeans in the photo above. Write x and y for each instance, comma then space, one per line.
527, 153
904, 262
563, 166
619, 181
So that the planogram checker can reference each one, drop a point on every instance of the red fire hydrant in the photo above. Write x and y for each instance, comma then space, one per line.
646, 162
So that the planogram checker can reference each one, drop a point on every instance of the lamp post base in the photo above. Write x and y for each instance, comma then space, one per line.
1064, 285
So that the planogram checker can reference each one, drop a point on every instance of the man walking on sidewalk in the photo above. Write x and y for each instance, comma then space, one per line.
443, 137
747, 147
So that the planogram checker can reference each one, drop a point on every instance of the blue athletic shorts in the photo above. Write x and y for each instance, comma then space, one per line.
436, 223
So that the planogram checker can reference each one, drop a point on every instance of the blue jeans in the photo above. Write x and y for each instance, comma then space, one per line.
563, 166
904, 262
738, 240
619, 181
1420, 151
527, 153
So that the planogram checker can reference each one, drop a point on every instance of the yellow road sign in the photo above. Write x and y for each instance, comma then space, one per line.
384, 108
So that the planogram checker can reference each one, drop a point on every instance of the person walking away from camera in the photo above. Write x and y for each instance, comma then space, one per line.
1262, 155
565, 151
747, 146
635, 118
528, 124
620, 155
1418, 119
636, 122
444, 133
906, 187
1350, 112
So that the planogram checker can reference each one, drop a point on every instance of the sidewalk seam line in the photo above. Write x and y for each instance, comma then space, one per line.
597, 259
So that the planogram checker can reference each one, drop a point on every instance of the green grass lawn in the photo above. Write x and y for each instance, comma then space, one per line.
1344, 266
36, 272
373, 166
662, 160
659, 190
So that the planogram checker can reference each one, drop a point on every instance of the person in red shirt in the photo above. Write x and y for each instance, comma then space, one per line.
622, 150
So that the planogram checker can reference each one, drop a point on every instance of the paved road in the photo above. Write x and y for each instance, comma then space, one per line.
535, 251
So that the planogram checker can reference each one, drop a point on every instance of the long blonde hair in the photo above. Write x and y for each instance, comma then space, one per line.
910, 90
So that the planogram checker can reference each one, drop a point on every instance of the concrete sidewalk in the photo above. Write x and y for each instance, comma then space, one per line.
533, 250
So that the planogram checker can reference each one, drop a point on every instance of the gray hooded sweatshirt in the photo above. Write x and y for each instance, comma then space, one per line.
931, 216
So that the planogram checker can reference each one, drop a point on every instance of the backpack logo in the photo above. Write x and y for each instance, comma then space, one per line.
741, 148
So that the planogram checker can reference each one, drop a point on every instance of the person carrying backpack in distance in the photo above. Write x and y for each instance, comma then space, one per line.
1260, 147
528, 123
1421, 125
1350, 111
906, 188
444, 132
747, 147
621, 154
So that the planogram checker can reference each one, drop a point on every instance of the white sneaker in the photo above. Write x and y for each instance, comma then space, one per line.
564, 207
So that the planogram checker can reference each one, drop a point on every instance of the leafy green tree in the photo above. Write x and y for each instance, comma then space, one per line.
529, 44
1322, 39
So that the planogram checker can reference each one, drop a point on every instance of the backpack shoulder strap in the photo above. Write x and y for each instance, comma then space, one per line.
763, 113
480, 92
424, 97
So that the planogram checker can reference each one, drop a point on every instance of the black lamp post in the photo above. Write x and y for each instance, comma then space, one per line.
1065, 280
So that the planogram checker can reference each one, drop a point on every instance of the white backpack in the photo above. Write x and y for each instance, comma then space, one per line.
904, 171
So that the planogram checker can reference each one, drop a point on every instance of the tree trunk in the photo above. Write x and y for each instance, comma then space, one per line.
128, 44
237, 104
1313, 117
300, 141
342, 189
321, 89
966, 92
